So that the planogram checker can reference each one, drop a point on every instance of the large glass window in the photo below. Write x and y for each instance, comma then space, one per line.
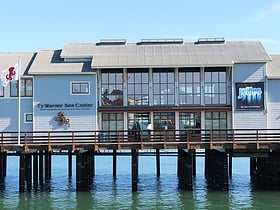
163, 86
216, 121
112, 87
26, 88
164, 120
139, 120
215, 88
138, 87
189, 86
112, 121
189, 120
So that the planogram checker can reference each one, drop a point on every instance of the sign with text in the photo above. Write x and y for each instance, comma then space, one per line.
65, 106
249, 96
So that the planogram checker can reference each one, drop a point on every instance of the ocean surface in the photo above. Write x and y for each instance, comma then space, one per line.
153, 192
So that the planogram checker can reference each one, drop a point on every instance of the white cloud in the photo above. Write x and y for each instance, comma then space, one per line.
270, 11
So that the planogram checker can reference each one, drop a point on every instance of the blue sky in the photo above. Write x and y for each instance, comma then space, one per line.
28, 25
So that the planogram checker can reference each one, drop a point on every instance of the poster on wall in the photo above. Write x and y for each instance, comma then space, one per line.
250, 96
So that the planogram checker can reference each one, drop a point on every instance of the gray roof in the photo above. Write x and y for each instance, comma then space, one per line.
49, 62
10, 59
273, 68
167, 55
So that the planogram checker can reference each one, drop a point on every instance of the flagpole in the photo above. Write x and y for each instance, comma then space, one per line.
19, 97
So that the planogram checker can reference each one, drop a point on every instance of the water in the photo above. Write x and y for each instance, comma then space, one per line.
153, 192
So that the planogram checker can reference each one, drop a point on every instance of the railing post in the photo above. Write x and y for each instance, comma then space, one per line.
257, 140
49, 141
95, 138
211, 139
2, 139
118, 140
73, 141
25, 141
188, 140
165, 138
233, 139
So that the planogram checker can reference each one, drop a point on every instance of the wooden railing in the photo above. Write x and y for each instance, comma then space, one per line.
152, 139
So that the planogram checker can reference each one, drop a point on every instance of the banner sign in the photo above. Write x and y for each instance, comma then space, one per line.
249, 96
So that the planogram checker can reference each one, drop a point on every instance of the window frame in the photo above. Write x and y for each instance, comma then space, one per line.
216, 96
112, 87
26, 116
23, 87
80, 83
167, 98
190, 97
139, 87
2, 91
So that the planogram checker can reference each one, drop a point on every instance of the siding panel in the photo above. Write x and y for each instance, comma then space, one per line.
243, 73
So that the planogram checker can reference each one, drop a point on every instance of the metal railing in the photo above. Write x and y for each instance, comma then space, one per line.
148, 139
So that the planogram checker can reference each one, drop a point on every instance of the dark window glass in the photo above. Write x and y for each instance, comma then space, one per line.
138, 85
216, 121
112, 87
26, 88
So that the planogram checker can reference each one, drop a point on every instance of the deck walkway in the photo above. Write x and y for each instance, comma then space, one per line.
234, 139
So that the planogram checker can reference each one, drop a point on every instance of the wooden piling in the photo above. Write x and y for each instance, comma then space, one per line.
84, 172
185, 169
35, 169
69, 163
21, 173
158, 162
41, 168
134, 169
114, 163
216, 167
28, 171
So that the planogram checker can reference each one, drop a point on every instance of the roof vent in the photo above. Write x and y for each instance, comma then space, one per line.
112, 42
160, 41
210, 41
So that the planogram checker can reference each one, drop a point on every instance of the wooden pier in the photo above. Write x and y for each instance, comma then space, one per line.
35, 151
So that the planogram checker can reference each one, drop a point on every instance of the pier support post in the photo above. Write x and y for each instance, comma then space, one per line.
47, 166
114, 163
83, 170
265, 171
230, 165
216, 170
35, 169
194, 163
185, 169
134, 169
28, 173
41, 168
21, 173
92, 163
69, 163
3, 164
158, 162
